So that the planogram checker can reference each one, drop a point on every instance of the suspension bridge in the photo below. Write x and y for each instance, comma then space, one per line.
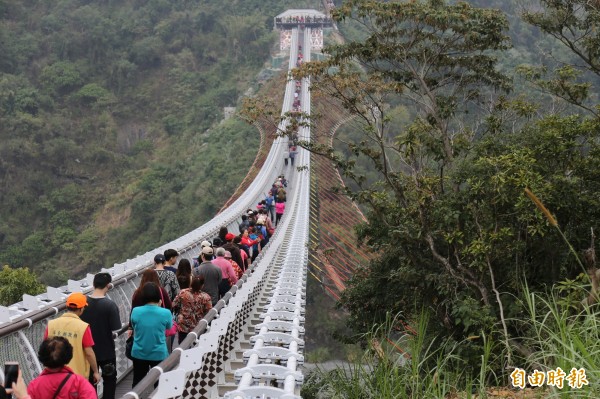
251, 344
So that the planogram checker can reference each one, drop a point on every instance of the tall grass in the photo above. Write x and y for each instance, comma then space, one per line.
422, 368
563, 338
551, 335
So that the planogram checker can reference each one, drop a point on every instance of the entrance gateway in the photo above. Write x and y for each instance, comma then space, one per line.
312, 19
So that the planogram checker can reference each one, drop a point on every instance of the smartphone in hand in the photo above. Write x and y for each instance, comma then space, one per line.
11, 373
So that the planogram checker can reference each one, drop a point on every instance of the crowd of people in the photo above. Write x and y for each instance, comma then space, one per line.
78, 350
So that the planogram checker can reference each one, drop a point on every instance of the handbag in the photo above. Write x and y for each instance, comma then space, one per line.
169, 332
129, 347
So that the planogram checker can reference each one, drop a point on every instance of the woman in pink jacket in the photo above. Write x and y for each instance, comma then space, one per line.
57, 380
279, 208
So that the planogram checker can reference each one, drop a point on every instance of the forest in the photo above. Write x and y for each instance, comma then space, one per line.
111, 141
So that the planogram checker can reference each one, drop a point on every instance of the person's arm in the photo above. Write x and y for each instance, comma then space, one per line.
176, 305
88, 344
115, 318
91, 358
232, 274
174, 287
169, 321
168, 304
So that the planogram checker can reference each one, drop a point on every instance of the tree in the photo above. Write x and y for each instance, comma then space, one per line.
16, 282
573, 23
448, 215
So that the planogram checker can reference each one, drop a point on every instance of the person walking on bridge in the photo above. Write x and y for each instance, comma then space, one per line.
102, 315
167, 278
234, 249
57, 380
149, 323
79, 335
228, 275
190, 306
171, 260
211, 273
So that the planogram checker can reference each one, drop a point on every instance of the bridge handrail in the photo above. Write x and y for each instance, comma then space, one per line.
294, 265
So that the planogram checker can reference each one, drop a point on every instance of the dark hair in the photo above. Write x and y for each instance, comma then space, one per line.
244, 217
184, 271
171, 253
223, 232
237, 239
150, 293
197, 284
217, 242
149, 276
55, 352
101, 280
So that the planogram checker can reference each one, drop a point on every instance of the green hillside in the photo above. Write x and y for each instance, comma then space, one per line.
110, 135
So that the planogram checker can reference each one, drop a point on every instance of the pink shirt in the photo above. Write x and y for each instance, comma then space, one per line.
279, 207
76, 387
226, 269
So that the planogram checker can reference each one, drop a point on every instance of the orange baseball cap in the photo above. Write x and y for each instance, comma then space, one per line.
76, 300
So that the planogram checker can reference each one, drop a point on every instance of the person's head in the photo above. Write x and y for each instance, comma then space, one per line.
229, 237
55, 352
151, 293
102, 280
197, 284
223, 231
76, 302
159, 260
149, 276
184, 268
227, 255
220, 252
237, 240
171, 256
206, 254
245, 232
244, 218
217, 242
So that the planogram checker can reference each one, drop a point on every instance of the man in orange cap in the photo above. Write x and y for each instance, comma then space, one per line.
79, 335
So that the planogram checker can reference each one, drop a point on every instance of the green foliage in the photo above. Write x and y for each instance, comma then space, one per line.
60, 77
105, 110
16, 282
93, 93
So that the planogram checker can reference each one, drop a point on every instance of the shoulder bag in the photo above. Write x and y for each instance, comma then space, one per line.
62, 384
169, 332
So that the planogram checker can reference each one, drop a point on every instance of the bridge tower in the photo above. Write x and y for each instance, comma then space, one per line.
301, 19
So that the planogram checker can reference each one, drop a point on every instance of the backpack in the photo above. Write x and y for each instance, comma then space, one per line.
262, 219
281, 194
